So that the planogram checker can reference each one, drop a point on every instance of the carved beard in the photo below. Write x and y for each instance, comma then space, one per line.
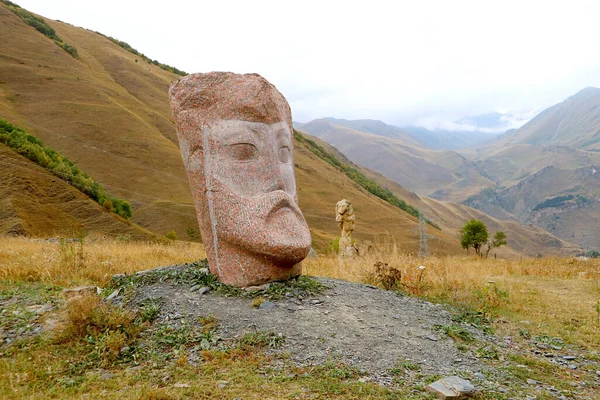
270, 224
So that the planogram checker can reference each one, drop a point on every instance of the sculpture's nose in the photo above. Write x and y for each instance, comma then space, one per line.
276, 172
274, 183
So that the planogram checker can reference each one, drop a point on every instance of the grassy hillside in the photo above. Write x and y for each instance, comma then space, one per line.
34, 150
34, 202
108, 112
415, 168
565, 202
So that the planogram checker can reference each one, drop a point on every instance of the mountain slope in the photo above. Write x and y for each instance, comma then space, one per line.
378, 128
108, 113
450, 140
529, 240
565, 202
415, 168
34, 202
575, 123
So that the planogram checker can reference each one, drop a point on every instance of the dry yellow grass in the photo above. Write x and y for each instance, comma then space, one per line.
556, 296
94, 261
550, 296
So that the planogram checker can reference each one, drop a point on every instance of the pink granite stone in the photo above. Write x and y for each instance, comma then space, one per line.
235, 135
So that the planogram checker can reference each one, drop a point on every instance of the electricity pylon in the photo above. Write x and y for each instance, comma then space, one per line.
423, 247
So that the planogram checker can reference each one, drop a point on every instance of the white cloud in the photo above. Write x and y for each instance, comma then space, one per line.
398, 61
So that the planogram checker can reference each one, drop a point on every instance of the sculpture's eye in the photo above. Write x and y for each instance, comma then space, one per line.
284, 154
243, 152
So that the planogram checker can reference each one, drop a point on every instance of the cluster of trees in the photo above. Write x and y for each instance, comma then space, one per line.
358, 177
475, 234
40, 25
33, 149
561, 200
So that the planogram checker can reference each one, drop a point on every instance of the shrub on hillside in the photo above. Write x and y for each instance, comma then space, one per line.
40, 25
33, 149
171, 235
69, 49
593, 254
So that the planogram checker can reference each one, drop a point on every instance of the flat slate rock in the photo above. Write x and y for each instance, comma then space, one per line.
452, 387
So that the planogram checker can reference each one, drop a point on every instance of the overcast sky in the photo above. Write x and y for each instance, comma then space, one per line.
404, 62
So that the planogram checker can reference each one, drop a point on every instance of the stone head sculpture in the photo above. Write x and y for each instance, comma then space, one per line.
236, 139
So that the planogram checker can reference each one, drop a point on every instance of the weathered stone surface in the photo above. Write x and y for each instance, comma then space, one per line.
80, 291
235, 135
344, 215
452, 387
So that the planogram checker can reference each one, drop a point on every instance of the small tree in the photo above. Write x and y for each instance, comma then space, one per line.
474, 234
499, 240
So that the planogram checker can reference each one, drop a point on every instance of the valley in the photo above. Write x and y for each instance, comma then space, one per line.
513, 177
107, 110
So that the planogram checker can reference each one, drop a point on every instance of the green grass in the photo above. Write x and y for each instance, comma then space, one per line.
34, 150
358, 177
40, 25
456, 332
196, 274
262, 339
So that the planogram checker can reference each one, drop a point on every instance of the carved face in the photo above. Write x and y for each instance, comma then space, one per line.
250, 188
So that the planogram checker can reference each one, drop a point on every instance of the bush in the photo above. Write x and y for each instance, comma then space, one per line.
69, 49
33, 149
593, 254
387, 277
40, 25
171, 235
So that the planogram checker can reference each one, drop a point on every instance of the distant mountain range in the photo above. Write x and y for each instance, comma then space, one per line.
448, 140
543, 173
437, 139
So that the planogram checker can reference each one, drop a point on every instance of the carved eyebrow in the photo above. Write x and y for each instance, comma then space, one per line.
242, 135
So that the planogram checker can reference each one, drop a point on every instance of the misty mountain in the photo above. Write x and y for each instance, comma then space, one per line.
376, 127
448, 140
574, 122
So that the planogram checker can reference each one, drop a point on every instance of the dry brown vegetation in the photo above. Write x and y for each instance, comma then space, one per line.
529, 298
70, 262
553, 296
